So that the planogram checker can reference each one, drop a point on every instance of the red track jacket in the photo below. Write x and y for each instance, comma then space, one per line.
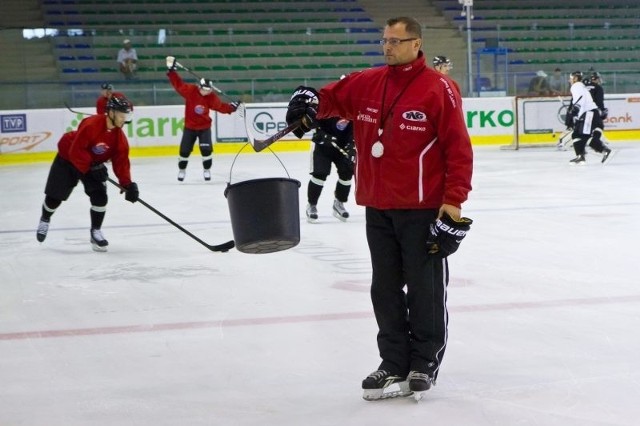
427, 159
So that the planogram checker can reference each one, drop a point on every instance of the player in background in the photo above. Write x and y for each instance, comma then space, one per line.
333, 144
199, 102
443, 65
81, 157
594, 84
106, 93
583, 117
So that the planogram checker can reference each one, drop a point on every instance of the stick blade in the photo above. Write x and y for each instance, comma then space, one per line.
224, 247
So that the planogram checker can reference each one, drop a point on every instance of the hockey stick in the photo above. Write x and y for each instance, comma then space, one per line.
224, 247
74, 111
564, 139
216, 89
260, 144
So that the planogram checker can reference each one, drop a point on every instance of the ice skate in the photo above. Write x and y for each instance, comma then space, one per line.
43, 228
98, 242
419, 383
312, 213
339, 211
578, 160
181, 174
207, 174
383, 385
606, 154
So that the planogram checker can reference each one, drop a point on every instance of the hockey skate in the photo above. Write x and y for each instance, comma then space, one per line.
181, 174
419, 383
578, 160
382, 385
207, 174
606, 154
98, 242
339, 211
43, 228
312, 213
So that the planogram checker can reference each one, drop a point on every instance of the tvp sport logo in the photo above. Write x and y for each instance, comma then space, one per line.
17, 123
13, 123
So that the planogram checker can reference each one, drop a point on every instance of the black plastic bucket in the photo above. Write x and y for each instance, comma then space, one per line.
265, 214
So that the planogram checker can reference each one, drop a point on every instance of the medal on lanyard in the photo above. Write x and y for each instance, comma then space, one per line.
377, 149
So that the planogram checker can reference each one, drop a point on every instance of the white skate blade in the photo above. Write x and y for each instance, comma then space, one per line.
418, 395
97, 248
339, 216
393, 391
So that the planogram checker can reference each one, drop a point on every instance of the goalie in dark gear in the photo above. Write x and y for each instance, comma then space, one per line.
333, 144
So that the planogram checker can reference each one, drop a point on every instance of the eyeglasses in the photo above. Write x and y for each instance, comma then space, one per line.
395, 41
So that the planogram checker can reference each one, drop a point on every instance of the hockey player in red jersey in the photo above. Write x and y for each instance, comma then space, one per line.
199, 102
81, 157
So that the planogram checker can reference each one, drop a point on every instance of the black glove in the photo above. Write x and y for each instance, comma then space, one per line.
132, 192
303, 107
571, 117
98, 173
604, 113
235, 105
446, 234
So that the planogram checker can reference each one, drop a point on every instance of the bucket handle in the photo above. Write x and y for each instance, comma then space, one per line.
243, 147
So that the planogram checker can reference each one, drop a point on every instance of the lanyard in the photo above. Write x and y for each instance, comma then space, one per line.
383, 116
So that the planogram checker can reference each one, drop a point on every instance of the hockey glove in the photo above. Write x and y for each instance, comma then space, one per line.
303, 107
98, 173
604, 113
171, 63
446, 234
235, 105
131, 193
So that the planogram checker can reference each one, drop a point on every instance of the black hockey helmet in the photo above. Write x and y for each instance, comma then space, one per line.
596, 76
441, 60
120, 103
205, 84
106, 86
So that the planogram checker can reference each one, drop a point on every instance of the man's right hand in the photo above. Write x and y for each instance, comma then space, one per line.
303, 108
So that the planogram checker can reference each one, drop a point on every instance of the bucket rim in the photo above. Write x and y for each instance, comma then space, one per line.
231, 186
250, 181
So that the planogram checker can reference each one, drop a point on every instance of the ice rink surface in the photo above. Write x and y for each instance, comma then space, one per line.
544, 304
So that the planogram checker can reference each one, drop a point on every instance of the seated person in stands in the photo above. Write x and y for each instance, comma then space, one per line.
539, 85
128, 60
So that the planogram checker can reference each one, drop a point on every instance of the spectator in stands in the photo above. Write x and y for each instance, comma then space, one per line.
539, 85
128, 60
106, 93
557, 83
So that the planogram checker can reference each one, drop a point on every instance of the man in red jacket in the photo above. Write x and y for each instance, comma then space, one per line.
413, 172
81, 157
199, 101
